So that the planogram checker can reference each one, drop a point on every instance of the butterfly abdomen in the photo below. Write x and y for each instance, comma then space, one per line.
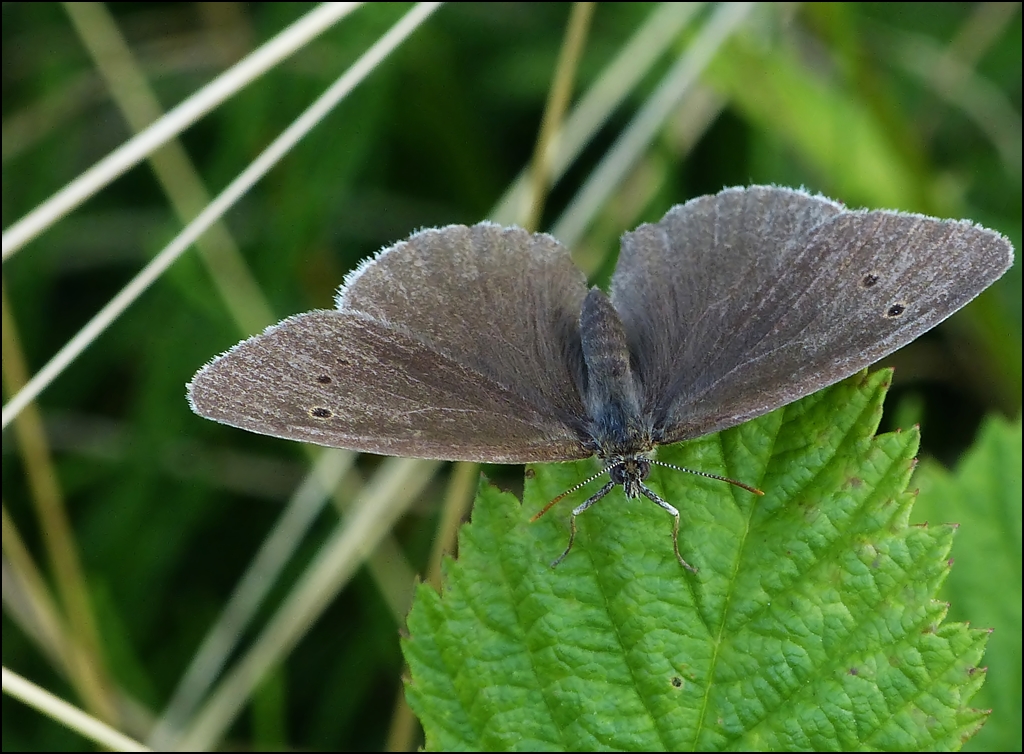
616, 422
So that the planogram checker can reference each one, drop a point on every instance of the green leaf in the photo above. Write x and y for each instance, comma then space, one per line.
811, 623
984, 497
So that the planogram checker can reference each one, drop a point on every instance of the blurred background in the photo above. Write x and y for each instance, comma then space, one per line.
130, 523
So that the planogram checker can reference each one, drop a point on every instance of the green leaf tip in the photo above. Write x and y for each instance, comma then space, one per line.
811, 623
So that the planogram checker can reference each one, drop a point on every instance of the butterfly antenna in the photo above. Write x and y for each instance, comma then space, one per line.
747, 487
571, 490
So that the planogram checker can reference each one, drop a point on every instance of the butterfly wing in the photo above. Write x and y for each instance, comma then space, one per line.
738, 303
461, 343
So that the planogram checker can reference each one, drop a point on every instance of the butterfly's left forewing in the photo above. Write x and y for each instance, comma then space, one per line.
784, 304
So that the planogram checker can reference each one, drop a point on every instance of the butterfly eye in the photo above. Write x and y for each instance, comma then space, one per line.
869, 280
895, 311
321, 413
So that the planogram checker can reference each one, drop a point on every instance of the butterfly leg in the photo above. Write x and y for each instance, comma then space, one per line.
577, 511
675, 528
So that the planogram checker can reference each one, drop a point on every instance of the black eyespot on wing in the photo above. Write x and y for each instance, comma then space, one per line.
896, 310
319, 412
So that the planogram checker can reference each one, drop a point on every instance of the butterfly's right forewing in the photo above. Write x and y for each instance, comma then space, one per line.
461, 343
343, 380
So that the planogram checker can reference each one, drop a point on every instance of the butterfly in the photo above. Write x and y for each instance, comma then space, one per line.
484, 343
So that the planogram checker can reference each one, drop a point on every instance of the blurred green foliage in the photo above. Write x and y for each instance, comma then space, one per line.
902, 105
983, 496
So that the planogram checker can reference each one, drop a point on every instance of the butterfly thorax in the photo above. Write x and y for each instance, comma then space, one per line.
615, 433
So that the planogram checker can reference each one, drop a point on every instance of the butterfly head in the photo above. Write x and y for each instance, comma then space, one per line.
630, 472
